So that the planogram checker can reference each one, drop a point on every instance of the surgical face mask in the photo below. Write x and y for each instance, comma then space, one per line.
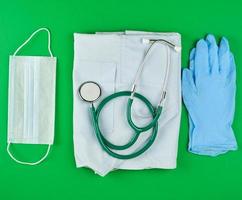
31, 100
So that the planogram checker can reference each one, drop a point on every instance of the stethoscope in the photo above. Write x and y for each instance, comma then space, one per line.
90, 91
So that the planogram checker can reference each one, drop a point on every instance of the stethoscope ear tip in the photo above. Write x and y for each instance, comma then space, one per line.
177, 48
145, 41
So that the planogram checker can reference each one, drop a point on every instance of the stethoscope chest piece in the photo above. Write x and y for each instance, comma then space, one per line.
89, 91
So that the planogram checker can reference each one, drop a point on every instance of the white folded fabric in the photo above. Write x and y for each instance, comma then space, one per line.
111, 60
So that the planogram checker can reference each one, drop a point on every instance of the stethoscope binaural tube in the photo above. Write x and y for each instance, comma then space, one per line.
137, 77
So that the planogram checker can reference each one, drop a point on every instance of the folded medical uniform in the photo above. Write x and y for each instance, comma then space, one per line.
111, 60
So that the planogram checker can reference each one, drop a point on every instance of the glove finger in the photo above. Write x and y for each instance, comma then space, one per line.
188, 88
201, 61
224, 57
213, 54
191, 58
232, 63
232, 74
188, 84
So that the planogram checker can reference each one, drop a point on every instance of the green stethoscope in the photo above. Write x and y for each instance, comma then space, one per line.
90, 91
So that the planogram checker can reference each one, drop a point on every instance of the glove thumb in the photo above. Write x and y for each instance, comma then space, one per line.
188, 85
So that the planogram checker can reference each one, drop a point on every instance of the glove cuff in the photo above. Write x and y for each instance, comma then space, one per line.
204, 141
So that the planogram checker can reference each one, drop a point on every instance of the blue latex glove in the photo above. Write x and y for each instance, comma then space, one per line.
209, 87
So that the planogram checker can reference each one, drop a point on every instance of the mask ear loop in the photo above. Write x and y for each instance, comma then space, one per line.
32, 35
28, 163
9, 143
